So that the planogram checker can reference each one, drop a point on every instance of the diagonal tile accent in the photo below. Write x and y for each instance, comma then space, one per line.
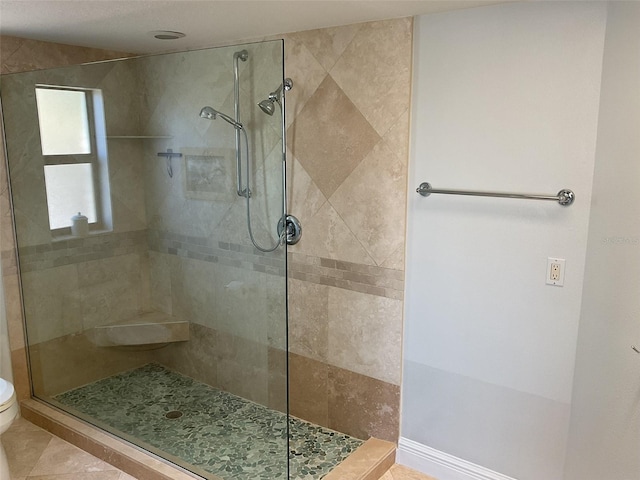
372, 203
326, 235
305, 198
377, 79
397, 137
330, 137
396, 260
306, 72
327, 44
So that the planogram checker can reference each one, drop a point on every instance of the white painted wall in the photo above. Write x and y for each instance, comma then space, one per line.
506, 98
604, 439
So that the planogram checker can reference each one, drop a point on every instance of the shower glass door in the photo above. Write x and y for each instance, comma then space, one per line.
150, 310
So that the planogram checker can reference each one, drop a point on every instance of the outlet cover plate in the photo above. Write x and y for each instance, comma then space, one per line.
555, 271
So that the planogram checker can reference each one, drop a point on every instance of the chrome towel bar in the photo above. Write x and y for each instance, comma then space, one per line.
565, 197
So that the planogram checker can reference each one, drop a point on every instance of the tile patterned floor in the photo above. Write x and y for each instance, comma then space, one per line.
34, 454
248, 440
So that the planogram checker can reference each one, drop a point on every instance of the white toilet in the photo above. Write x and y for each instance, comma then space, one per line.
8, 413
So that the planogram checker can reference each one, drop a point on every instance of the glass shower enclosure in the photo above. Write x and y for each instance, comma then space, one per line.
147, 194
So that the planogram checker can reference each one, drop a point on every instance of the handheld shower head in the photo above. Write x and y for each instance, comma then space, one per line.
211, 113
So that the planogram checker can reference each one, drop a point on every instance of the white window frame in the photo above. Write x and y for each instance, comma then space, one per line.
97, 157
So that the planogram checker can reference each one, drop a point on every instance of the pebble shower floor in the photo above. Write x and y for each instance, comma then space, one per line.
220, 433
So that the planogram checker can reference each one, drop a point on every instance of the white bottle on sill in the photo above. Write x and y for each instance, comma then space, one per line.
79, 225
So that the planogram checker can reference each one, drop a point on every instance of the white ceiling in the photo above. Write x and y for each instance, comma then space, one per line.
124, 24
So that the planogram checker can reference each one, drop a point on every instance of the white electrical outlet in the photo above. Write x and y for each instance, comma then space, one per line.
555, 271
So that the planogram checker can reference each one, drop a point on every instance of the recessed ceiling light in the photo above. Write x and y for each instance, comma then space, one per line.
167, 35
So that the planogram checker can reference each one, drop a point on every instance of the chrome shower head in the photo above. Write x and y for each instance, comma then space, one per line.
268, 106
211, 113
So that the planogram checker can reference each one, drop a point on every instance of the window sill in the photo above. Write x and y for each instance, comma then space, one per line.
65, 237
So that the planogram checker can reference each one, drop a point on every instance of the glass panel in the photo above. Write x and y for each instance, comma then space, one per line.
69, 192
63, 119
170, 330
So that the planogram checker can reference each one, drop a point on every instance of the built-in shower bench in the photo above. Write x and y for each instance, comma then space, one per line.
146, 328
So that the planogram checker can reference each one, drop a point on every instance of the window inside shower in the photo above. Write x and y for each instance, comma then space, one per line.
71, 122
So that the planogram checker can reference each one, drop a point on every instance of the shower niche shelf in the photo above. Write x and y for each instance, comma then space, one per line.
144, 329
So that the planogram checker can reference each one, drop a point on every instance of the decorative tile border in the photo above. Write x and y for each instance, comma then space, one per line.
383, 282
373, 280
79, 250
211, 250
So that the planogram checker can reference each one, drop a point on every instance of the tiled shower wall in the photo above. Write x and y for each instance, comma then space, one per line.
348, 129
20, 55
73, 285
347, 132
204, 268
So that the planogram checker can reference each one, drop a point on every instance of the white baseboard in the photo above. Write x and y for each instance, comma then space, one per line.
441, 465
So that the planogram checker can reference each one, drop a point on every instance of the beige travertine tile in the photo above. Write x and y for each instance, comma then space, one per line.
371, 201
330, 137
160, 282
239, 303
327, 235
304, 196
308, 389
378, 79
110, 289
368, 462
400, 472
243, 367
195, 358
362, 406
106, 475
20, 370
363, 338
126, 476
20, 54
232, 226
13, 308
308, 319
61, 457
277, 379
52, 303
24, 443
395, 261
327, 44
191, 297
67, 362
306, 73
276, 310
8, 46
28, 446
397, 137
